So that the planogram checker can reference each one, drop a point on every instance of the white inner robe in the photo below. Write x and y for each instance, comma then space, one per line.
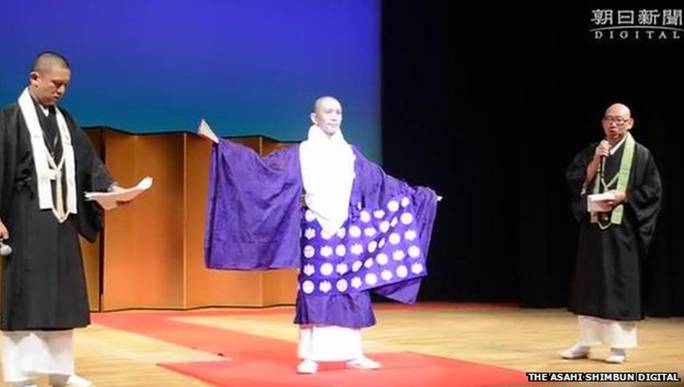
615, 334
329, 343
327, 167
29, 354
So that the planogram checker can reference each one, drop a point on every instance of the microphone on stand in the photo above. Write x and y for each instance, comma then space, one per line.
5, 249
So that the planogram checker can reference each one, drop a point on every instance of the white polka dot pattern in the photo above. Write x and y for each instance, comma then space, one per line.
398, 255
325, 286
379, 247
308, 269
356, 282
341, 268
342, 285
406, 218
382, 259
308, 251
356, 266
414, 251
340, 250
309, 216
309, 233
372, 246
308, 287
365, 216
326, 269
357, 249
326, 251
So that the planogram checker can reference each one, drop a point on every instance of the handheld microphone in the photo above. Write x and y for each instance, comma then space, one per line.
5, 249
605, 217
602, 166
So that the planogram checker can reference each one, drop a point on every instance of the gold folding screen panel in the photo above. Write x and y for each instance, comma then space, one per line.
150, 254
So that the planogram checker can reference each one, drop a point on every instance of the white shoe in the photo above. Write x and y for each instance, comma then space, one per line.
307, 367
617, 356
363, 363
69, 381
577, 351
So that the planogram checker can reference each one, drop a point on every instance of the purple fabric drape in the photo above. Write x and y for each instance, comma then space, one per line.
255, 221
253, 209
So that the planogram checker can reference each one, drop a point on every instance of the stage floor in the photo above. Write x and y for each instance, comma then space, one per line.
494, 344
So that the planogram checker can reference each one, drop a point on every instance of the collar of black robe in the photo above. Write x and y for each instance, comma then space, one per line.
47, 118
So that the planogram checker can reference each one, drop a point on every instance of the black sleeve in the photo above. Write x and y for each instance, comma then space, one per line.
645, 196
575, 176
8, 156
92, 176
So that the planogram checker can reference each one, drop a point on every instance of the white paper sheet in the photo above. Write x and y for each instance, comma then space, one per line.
594, 199
109, 200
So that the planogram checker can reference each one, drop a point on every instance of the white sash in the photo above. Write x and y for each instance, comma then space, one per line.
46, 168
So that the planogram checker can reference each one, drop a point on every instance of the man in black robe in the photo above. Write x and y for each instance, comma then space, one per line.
616, 196
47, 164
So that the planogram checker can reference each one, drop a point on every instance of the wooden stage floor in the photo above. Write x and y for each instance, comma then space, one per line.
521, 339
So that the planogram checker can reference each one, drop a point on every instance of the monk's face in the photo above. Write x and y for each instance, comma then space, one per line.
328, 115
49, 85
616, 121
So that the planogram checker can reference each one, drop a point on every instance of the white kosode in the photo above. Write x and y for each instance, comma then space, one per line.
327, 164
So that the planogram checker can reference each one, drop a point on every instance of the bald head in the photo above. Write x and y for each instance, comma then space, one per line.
327, 114
49, 78
324, 100
616, 122
618, 109
48, 60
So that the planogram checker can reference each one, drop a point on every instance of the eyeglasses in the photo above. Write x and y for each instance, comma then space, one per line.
617, 120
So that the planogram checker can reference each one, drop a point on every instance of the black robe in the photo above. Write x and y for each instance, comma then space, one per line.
43, 281
607, 280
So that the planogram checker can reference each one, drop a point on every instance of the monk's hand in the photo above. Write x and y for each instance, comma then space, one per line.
609, 204
605, 205
602, 150
620, 197
4, 233
116, 188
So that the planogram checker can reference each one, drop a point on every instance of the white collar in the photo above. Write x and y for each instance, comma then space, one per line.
47, 169
327, 167
45, 110
618, 145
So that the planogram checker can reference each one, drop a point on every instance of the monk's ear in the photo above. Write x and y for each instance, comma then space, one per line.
34, 77
313, 118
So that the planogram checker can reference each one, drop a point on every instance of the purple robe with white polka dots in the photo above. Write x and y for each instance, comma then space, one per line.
255, 220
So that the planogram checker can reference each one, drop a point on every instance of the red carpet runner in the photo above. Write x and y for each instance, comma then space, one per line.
259, 361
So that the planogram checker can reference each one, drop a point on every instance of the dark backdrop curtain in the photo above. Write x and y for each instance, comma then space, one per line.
488, 104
